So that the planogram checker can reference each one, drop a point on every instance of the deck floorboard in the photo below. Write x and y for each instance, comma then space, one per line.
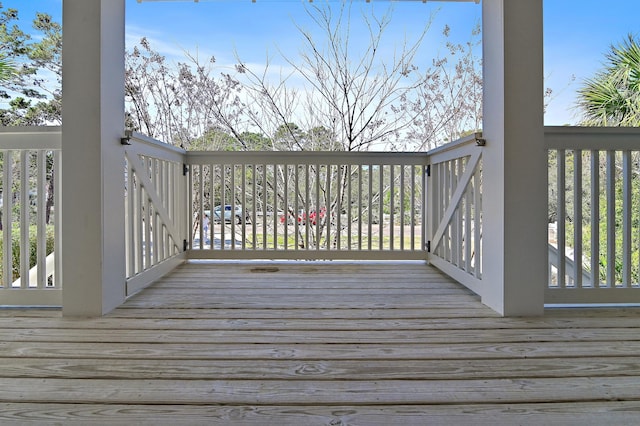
284, 343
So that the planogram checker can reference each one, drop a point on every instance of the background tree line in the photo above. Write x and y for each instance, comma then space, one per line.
349, 99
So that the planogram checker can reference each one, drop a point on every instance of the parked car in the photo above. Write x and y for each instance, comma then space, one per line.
230, 213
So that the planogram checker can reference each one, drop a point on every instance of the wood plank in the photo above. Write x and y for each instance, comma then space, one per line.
213, 301
306, 351
268, 392
396, 337
128, 311
318, 343
583, 414
30, 312
374, 283
285, 369
309, 293
319, 323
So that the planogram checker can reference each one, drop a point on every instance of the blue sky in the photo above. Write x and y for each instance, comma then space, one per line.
577, 32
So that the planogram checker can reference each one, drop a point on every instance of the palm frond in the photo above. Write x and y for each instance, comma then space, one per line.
612, 96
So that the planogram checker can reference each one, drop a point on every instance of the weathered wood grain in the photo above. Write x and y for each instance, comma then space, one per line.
308, 392
325, 369
322, 323
363, 352
578, 414
307, 343
443, 312
391, 337
250, 301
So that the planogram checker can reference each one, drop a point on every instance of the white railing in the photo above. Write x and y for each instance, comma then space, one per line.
336, 205
455, 210
307, 205
156, 213
30, 166
593, 198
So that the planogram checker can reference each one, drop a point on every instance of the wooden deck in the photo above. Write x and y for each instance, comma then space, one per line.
317, 344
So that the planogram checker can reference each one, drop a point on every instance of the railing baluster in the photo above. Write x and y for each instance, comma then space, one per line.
254, 206
595, 218
392, 190
467, 226
164, 188
155, 229
448, 190
327, 207
167, 206
626, 218
349, 179
243, 203
232, 195
423, 209
381, 207
200, 198
24, 219
286, 207
611, 218
216, 188
7, 215
57, 218
41, 245
264, 206
477, 225
296, 206
442, 189
191, 210
455, 221
412, 206
166, 192
461, 217
402, 212
561, 218
338, 207
577, 218
360, 218
370, 209
147, 231
443, 204
223, 203
139, 223
317, 207
433, 195
275, 206
308, 206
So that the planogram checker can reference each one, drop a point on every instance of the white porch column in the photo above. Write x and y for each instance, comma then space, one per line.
93, 264
514, 167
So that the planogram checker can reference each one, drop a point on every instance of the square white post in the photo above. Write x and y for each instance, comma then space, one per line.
514, 159
93, 262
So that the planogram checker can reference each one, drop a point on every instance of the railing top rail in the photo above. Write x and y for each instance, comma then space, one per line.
598, 138
153, 143
30, 129
474, 138
31, 137
308, 157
